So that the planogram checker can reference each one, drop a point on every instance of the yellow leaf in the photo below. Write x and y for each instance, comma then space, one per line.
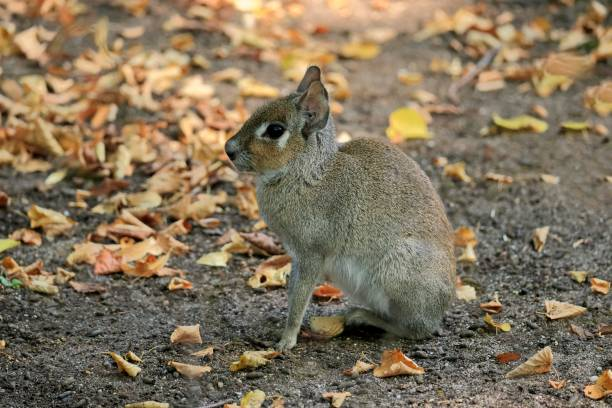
148, 404
465, 236
407, 123
215, 259
251, 87
52, 222
561, 310
133, 357
505, 327
8, 244
253, 359
56, 177
409, 78
130, 369
253, 399
329, 326
574, 125
539, 237
336, 398
521, 122
468, 255
272, 272
456, 171
186, 334
599, 98
559, 71
360, 50
539, 363
359, 368
189, 370
578, 276
550, 178
394, 362
600, 286
465, 292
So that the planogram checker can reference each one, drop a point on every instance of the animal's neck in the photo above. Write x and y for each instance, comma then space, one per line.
309, 166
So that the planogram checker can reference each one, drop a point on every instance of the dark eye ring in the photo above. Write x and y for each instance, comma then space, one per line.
274, 131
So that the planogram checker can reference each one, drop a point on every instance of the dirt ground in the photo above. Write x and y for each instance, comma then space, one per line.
56, 344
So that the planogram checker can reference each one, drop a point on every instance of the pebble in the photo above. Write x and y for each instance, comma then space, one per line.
68, 381
65, 394
532, 325
419, 379
220, 384
467, 334
148, 380
80, 403
94, 332
420, 354
254, 374
593, 378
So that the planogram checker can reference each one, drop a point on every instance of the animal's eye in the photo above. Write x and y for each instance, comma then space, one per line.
274, 131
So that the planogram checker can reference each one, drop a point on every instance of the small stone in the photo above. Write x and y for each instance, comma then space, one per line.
420, 354
467, 334
220, 385
419, 379
94, 332
65, 394
148, 380
80, 403
254, 374
68, 381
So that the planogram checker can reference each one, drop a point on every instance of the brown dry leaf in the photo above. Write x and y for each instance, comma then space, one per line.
578, 276
87, 287
359, 368
327, 291
219, 258
505, 358
5, 200
499, 178
107, 263
178, 283
186, 334
465, 236
52, 222
360, 50
494, 306
550, 179
559, 71
602, 387
328, 326
600, 286
208, 351
465, 292
27, 236
561, 310
43, 285
539, 238
557, 385
132, 32
505, 327
148, 404
394, 362
491, 80
2, 344
456, 171
336, 398
407, 123
262, 241
130, 369
189, 370
541, 111
580, 331
29, 43
253, 399
149, 266
599, 98
539, 363
87, 252
253, 359
249, 86
272, 272
62, 276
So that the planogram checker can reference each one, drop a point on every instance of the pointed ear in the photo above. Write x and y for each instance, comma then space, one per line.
313, 73
315, 107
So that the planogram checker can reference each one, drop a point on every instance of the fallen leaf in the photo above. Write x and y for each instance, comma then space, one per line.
55, 177
409, 78
327, 291
27, 236
148, 404
253, 399
550, 179
186, 334
5, 200
130, 369
394, 362
602, 387
107, 263
208, 351
329, 326
575, 126
465, 292
336, 398
539, 238
599, 98
499, 178
456, 171
178, 283
62, 276
52, 222
578, 276
87, 287
505, 327
539, 363
359, 368
133, 357
559, 71
253, 359
540, 111
468, 255
465, 236
249, 86
505, 358
272, 272
189, 370
262, 241
600, 286
521, 122
604, 329
407, 123
219, 258
43, 286
580, 331
491, 80
360, 50
557, 385
6, 244
494, 306
561, 310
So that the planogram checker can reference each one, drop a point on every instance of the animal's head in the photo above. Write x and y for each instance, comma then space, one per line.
280, 130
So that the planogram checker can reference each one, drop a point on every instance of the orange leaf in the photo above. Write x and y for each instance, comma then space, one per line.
505, 358
107, 263
394, 362
178, 283
327, 291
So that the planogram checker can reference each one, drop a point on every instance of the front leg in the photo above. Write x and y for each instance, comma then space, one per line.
302, 281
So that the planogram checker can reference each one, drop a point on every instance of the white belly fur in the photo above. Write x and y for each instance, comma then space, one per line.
356, 282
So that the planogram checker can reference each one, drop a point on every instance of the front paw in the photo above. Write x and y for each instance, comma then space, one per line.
286, 343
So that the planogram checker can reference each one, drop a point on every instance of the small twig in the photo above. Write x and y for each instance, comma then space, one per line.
471, 74
218, 404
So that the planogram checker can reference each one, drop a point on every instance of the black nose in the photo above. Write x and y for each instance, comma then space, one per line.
231, 150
